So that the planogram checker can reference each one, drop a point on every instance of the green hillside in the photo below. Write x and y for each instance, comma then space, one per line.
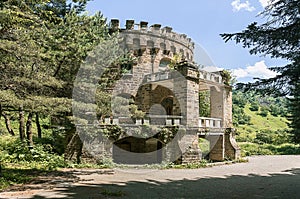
261, 125
258, 123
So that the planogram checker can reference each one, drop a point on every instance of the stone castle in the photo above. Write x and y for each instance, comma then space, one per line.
169, 97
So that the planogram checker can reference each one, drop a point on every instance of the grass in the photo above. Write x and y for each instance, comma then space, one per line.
248, 132
249, 149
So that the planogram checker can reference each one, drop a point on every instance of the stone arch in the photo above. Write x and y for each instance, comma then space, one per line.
149, 95
168, 103
135, 150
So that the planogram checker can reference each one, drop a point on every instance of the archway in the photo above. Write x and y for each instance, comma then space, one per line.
168, 104
134, 150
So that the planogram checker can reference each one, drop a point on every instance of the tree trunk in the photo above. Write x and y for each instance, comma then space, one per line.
29, 130
74, 146
22, 124
38, 125
7, 123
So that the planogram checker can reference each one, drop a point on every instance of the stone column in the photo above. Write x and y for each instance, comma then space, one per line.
221, 104
186, 89
232, 150
217, 147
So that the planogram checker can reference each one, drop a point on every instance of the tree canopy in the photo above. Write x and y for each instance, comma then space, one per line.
277, 37
42, 46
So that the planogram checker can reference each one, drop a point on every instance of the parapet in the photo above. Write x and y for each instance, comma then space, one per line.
156, 34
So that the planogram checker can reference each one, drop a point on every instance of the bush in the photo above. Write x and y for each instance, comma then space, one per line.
15, 151
249, 149
264, 111
273, 137
254, 106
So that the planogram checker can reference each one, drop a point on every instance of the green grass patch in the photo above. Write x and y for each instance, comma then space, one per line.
247, 133
249, 149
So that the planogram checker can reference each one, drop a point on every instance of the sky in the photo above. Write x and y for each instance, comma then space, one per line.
203, 21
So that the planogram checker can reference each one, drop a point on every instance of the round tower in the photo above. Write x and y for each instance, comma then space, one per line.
153, 45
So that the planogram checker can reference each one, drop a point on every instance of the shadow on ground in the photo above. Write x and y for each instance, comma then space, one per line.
280, 185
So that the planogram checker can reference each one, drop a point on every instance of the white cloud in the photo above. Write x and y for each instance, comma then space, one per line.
264, 3
237, 6
259, 70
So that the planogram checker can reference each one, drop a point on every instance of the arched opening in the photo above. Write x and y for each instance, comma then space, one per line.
134, 150
137, 51
173, 50
164, 62
204, 146
167, 103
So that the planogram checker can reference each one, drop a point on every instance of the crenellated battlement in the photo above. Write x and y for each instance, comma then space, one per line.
141, 36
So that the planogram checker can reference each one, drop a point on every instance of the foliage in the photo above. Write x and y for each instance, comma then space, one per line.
254, 106
249, 149
278, 37
273, 137
14, 151
204, 104
228, 78
264, 111
166, 134
204, 146
176, 59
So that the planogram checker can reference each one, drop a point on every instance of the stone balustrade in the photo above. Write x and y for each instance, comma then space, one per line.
167, 120
205, 122
159, 76
210, 76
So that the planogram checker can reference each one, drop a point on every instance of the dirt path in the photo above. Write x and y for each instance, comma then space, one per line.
261, 177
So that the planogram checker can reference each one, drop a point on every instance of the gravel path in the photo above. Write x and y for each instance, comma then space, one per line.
261, 177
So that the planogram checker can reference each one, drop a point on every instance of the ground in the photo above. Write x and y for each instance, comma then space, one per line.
261, 177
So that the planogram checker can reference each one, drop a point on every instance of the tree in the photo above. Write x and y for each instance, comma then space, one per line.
42, 45
278, 37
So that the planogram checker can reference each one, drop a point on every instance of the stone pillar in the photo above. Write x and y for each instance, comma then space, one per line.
186, 89
232, 150
217, 147
189, 146
228, 107
221, 104
217, 103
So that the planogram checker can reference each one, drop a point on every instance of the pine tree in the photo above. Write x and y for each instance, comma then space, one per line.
278, 37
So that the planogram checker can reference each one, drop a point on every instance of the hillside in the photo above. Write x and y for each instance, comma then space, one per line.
258, 123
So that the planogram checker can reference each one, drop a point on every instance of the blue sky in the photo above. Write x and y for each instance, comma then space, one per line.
203, 21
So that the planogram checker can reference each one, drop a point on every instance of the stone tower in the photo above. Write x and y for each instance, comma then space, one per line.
170, 97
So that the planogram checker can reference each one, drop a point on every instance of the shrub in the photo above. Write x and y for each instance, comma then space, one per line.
254, 106
264, 111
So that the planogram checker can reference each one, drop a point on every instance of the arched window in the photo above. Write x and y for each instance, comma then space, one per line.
164, 49
150, 44
136, 44
137, 47
187, 56
173, 50
164, 62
